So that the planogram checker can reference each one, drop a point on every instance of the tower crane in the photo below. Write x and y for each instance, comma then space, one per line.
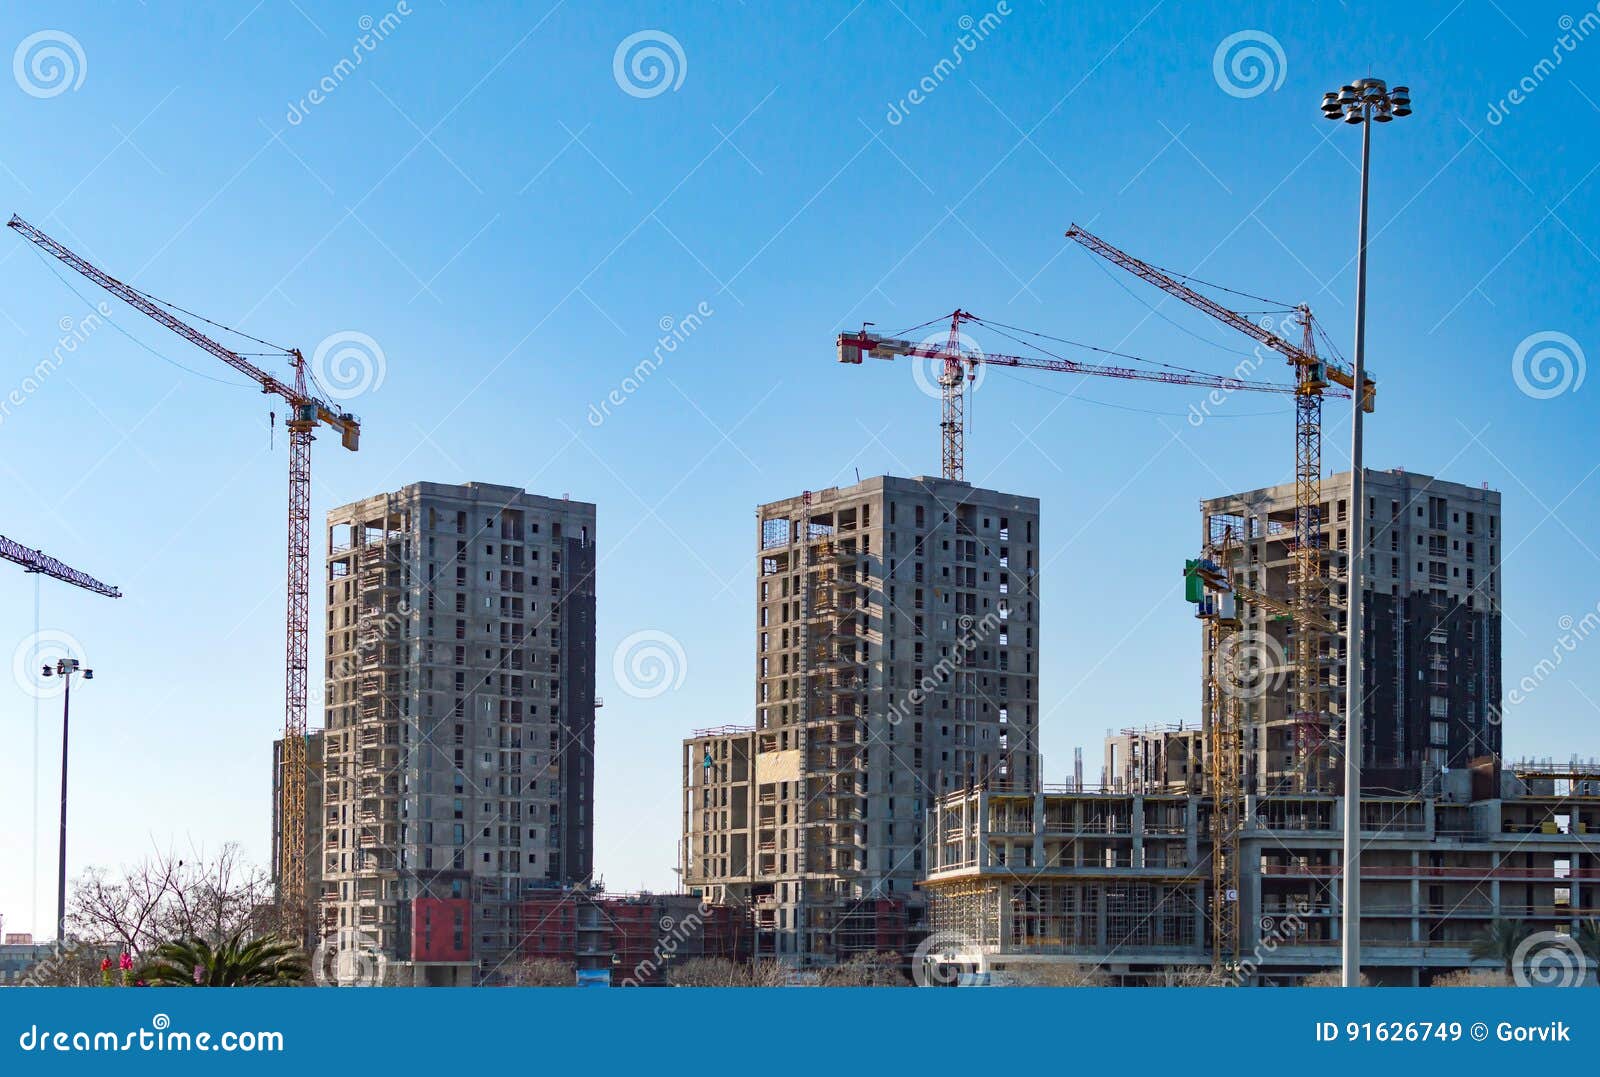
958, 363
1224, 735
306, 413
1312, 375
38, 561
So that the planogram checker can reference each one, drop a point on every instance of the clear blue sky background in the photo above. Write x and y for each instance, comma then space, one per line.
482, 198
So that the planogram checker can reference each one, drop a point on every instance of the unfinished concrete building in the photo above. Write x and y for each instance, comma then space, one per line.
1432, 664
896, 660
1116, 883
460, 721
1155, 759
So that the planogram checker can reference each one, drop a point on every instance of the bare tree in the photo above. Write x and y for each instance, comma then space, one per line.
866, 970
721, 972
539, 972
1330, 978
1053, 974
1472, 978
167, 897
76, 964
1190, 976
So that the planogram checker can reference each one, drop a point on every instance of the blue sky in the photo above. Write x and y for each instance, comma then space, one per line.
485, 199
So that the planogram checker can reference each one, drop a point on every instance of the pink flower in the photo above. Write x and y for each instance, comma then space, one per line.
105, 964
126, 962
199, 970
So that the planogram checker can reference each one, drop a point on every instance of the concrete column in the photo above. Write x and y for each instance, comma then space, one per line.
984, 858
1416, 885
1136, 825
1038, 830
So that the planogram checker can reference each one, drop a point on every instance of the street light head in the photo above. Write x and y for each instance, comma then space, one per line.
1380, 113
88, 674
49, 672
1353, 116
1347, 95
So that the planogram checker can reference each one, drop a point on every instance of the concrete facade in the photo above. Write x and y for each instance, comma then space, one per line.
1432, 665
896, 659
460, 721
1119, 883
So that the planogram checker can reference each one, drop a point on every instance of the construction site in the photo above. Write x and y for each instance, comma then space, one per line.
886, 793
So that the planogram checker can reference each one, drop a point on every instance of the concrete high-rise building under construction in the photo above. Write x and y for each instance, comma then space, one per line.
896, 640
1432, 629
460, 707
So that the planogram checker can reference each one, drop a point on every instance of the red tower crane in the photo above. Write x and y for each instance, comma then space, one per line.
306, 413
1313, 374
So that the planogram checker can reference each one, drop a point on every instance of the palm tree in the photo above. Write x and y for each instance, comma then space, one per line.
264, 962
1588, 936
1500, 941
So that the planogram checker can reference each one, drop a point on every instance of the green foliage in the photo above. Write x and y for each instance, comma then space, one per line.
262, 962
1499, 941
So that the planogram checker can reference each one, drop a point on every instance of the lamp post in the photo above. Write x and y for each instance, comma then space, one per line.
64, 668
1366, 101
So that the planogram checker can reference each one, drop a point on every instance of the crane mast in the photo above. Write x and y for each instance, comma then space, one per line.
306, 413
